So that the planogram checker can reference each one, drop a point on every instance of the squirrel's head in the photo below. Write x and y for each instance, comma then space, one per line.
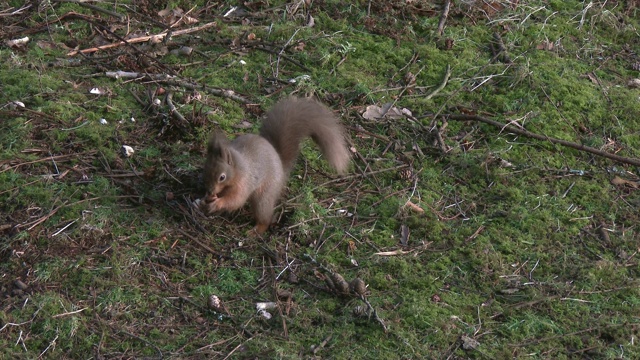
218, 167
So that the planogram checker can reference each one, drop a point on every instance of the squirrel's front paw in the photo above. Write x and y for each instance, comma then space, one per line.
209, 207
198, 203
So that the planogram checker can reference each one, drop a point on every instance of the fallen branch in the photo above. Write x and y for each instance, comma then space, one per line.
12, 12
48, 158
519, 131
499, 49
69, 313
170, 80
158, 37
373, 312
230, 94
203, 245
443, 17
172, 108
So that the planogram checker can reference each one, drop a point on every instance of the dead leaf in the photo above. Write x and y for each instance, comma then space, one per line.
505, 163
373, 112
391, 112
414, 207
46, 45
545, 45
618, 181
243, 125
17, 43
490, 8
406, 112
175, 17
190, 20
592, 77
300, 46
634, 83
409, 79
469, 343
165, 12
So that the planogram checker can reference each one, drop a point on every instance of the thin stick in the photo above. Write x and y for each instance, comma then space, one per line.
51, 343
11, 12
68, 313
282, 51
44, 218
15, 324
169, 80
57, 157
447, 74
374, 313
280, 54
194, 239
158, 37
322, 344
236, 348
63, 229
172, 108
500, 50
443, 17
395, 100
580, 147
230, 94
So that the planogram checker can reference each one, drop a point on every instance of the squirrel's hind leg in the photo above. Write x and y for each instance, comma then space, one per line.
262, 212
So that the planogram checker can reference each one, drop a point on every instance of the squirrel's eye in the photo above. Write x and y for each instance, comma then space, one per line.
222, 177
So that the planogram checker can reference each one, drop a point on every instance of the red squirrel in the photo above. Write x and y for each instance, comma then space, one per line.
255, 168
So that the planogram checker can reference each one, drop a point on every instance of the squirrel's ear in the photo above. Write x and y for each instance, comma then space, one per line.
217, 145
227, 157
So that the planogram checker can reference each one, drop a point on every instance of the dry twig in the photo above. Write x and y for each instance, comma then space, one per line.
169, 80
580, 147
445, 80
443, 17
172, 108
157, 37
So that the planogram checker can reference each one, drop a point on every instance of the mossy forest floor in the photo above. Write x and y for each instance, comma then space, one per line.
450, 238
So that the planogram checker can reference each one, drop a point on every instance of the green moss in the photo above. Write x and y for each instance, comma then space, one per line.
507, 249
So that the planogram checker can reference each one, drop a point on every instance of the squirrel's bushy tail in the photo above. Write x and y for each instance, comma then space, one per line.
292, 120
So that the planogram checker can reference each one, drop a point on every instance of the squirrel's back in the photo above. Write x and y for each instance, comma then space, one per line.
292, 120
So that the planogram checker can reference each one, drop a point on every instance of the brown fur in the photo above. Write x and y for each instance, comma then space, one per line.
255, 168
